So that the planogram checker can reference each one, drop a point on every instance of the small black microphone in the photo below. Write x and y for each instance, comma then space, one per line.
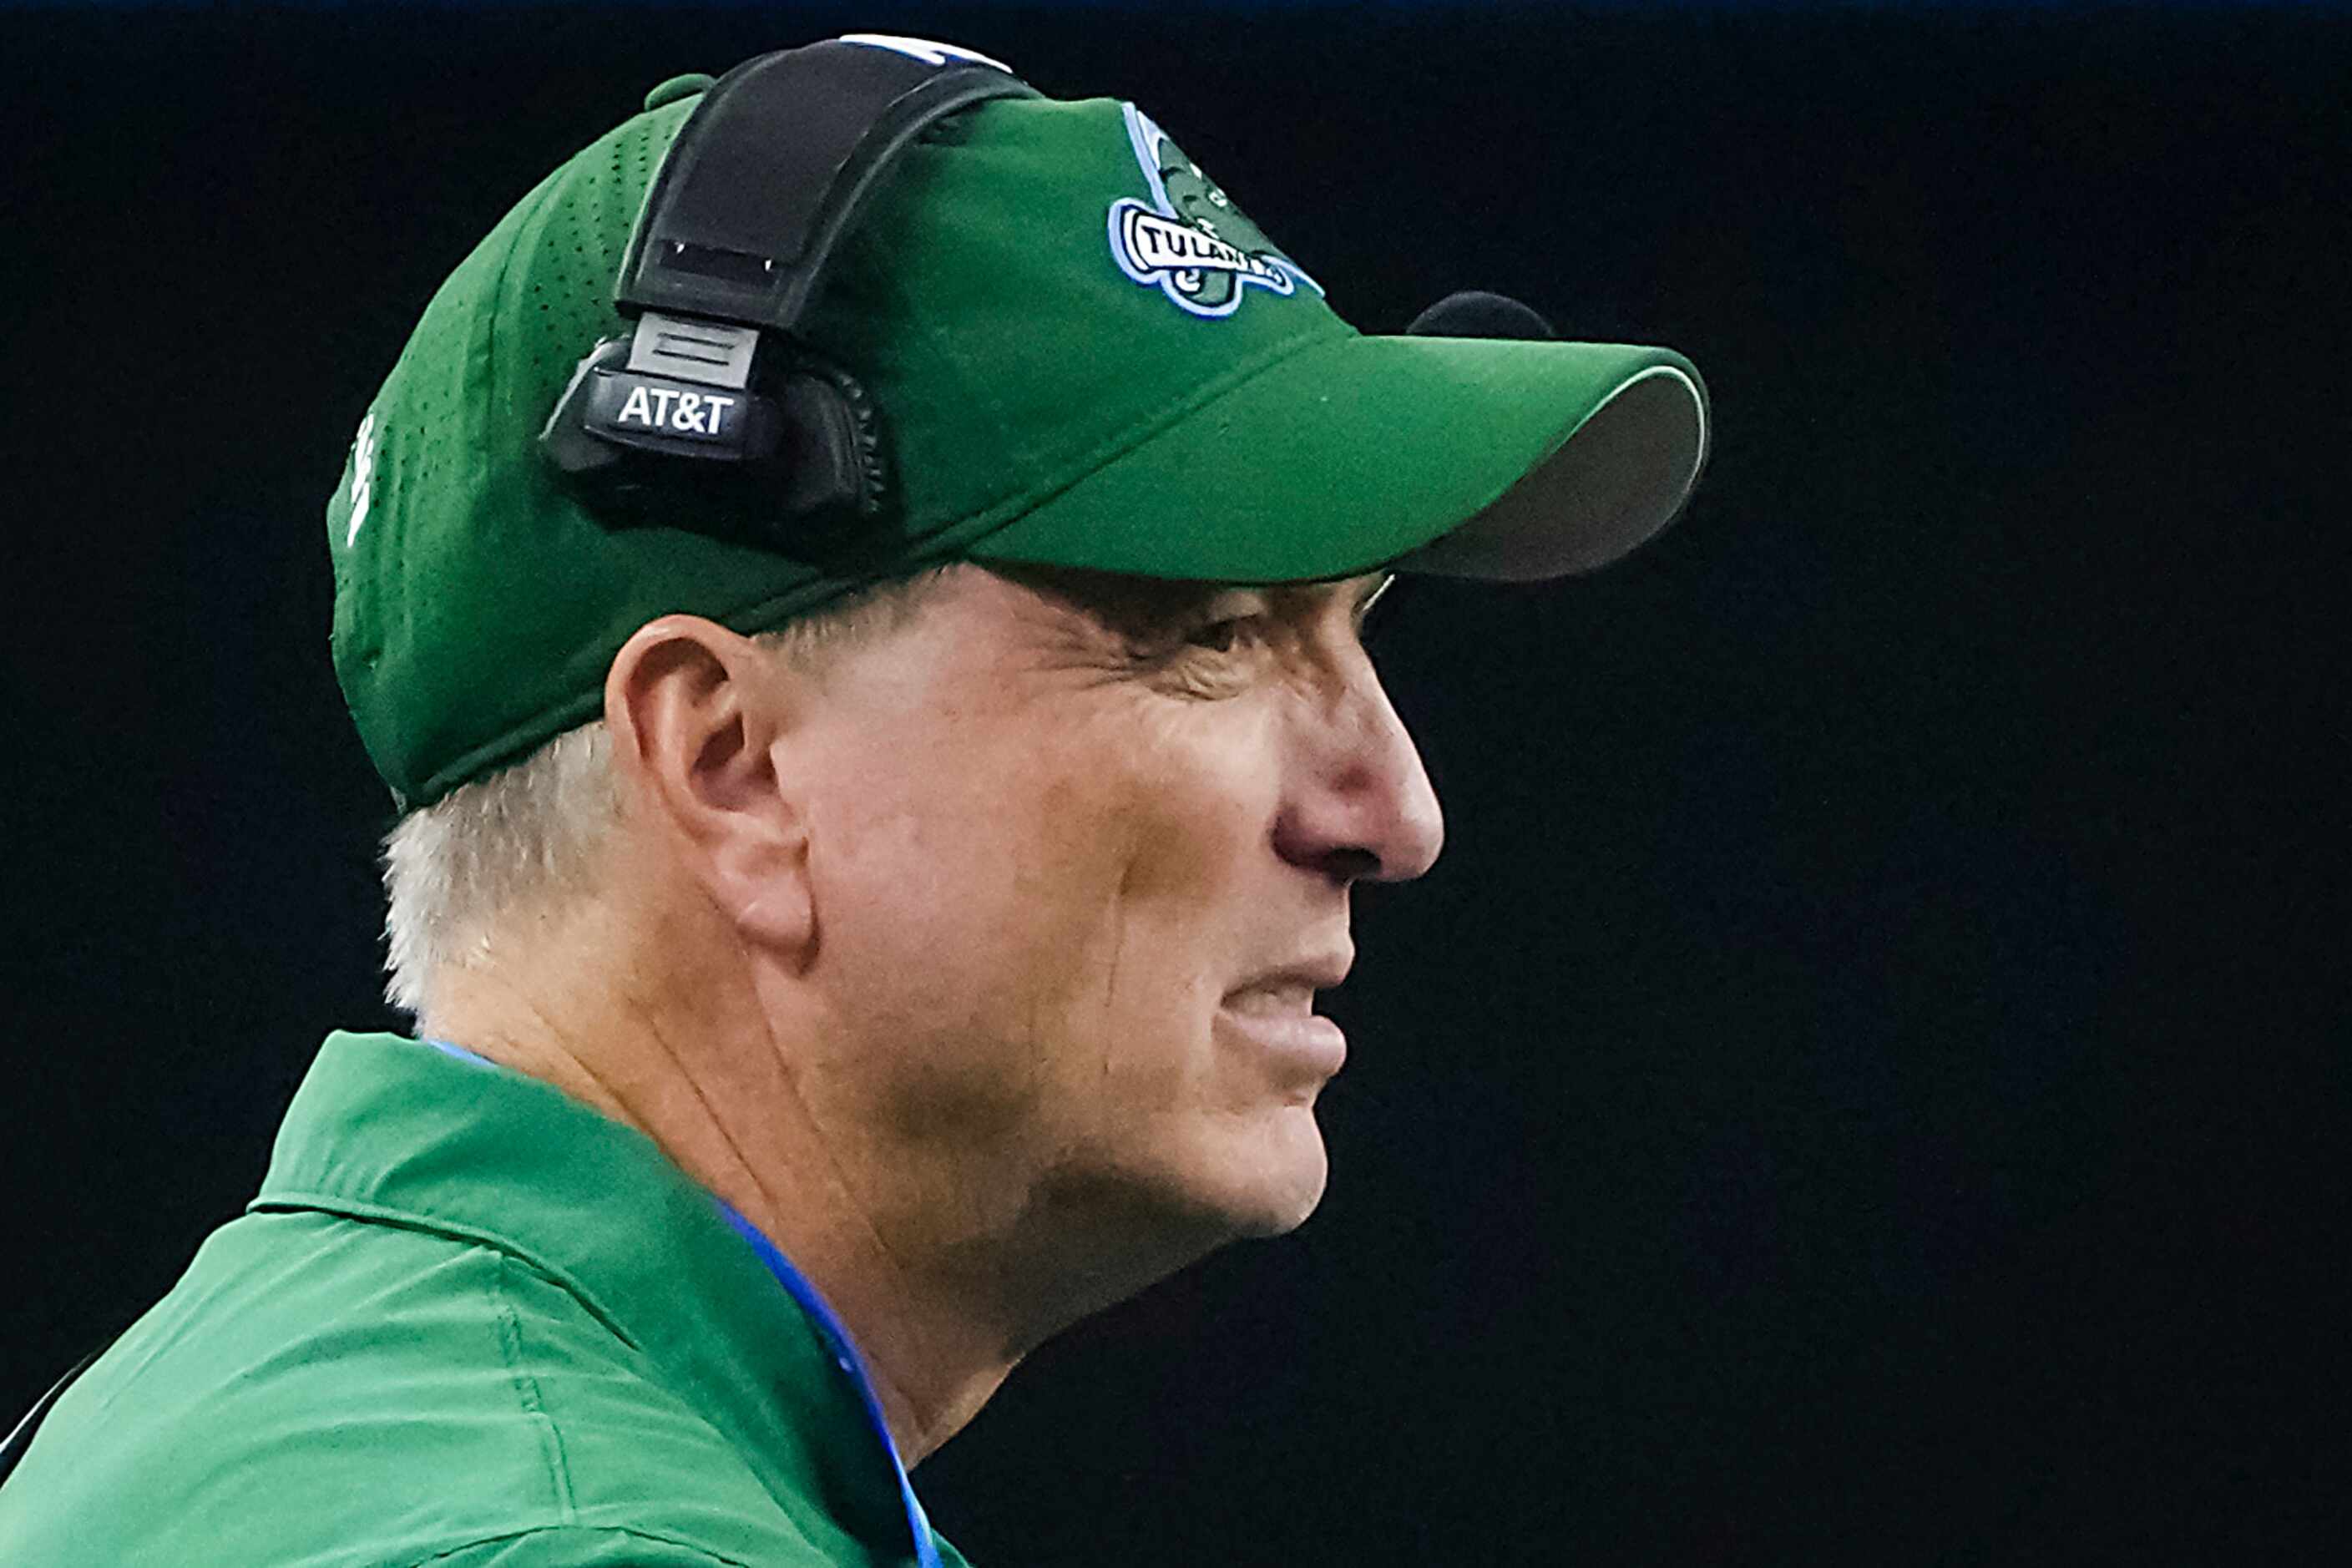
1475, 313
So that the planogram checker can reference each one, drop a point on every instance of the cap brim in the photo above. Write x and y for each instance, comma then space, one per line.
1457, 457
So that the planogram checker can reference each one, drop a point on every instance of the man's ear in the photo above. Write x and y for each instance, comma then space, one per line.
696, 714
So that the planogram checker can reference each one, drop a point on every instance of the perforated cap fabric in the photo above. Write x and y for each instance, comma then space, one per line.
1084, 355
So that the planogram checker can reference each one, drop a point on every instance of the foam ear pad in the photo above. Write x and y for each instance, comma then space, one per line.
829, 472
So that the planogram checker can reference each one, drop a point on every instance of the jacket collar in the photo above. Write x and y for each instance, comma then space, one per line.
391, 1130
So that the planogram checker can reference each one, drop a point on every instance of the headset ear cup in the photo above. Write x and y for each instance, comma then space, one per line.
825, 479
606, 445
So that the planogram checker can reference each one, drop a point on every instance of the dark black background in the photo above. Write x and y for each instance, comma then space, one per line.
1864, 1083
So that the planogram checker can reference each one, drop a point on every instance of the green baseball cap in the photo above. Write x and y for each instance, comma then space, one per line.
1083, 356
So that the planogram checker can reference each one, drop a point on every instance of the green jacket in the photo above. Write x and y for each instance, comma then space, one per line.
467, 1322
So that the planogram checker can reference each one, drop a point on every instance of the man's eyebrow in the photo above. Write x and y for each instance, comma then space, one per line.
1312, 599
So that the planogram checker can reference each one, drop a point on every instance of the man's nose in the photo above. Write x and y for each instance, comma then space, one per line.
1358, 805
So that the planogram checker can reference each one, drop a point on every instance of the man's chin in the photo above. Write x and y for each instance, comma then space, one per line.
1129, 1228
1286, 1180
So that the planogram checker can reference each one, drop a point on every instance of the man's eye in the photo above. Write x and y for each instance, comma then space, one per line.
1224, 621
1220, 636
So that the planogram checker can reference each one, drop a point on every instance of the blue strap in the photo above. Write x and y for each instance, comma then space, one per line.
845, 1356
828, 1328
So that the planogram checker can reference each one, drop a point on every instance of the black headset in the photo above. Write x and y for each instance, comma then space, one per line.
714, 398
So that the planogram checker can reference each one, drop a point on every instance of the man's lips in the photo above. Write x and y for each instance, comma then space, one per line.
1315, 971
1274, 1011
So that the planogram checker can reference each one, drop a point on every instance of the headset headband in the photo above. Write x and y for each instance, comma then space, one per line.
774, 166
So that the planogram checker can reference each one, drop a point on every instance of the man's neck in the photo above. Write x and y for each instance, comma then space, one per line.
735, 1122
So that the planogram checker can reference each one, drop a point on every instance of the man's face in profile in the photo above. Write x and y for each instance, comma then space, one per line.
1080, 850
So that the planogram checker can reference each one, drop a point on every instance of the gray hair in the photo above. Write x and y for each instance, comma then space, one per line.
527, 841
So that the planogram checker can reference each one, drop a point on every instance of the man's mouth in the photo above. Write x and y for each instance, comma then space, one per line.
1277, 1017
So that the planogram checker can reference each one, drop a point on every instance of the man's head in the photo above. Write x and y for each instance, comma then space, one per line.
1000, 853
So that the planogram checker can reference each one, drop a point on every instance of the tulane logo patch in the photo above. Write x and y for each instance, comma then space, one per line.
1189, 241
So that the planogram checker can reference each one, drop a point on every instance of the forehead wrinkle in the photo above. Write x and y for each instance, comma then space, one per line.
1053, 637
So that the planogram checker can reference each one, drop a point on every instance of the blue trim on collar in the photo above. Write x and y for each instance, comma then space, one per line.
845, 1356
